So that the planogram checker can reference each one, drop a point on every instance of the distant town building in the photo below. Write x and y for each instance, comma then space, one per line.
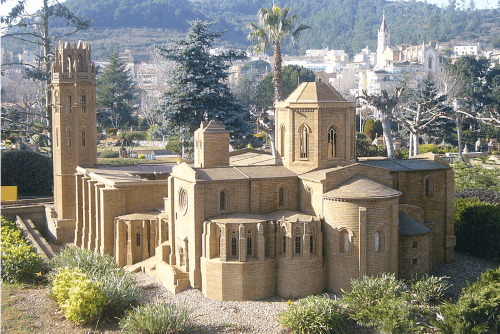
469, 49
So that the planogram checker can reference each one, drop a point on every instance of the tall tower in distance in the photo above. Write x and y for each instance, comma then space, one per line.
74, 122
384, 41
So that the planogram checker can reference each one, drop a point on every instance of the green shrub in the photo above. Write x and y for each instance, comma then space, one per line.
425, 289
391, 305
112, 131
20, 263
389, 314
31, 172
476, 311
81, 298
426, 148
476, 177
477, 228
368, 290
315, 314
109, 154
158, 318
141, 156
120, 289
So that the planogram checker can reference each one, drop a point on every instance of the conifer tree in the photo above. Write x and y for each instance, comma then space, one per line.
115, 93
198, 87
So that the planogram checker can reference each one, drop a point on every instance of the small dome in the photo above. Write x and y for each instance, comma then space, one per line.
314, 92
361, 187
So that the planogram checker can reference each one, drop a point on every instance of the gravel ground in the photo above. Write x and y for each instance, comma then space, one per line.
41, 314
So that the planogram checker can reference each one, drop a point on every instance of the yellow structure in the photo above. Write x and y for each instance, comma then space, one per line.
243, 225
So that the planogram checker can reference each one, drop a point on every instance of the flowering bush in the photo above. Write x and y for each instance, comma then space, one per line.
20, 263
120, 289
82, 299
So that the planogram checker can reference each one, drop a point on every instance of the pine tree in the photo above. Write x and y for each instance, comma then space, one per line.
115, 93
198, 87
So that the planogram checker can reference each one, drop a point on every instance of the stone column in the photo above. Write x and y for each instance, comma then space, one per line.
260, 243
223, 244
242, 243
130, 236
144, 239
97, 241
306, 251
121, 244
205, 241
85, 211
362, 241
92, 214
79, 209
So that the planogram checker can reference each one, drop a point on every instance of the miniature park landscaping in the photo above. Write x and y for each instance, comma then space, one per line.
91, 292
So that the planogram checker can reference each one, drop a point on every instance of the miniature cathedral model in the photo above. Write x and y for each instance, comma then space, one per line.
239, 225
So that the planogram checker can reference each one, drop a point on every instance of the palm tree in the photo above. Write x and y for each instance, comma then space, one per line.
273, 28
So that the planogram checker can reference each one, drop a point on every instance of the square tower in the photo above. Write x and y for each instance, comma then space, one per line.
211, 145
74, 122
315, 128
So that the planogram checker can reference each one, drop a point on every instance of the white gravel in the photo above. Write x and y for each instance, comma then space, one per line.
262, 316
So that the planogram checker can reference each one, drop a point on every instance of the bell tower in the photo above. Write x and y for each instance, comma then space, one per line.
384, 41
73, 121
315, 128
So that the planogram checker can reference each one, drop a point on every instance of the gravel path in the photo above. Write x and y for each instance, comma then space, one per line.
262, 316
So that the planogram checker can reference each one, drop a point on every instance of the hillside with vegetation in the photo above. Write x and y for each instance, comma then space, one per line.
339, 24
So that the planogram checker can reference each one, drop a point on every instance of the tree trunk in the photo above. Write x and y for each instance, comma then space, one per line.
386, 126
410, 146
278, 76
46, 63
416, 141
458, 124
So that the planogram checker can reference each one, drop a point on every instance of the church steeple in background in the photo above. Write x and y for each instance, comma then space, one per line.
384, 41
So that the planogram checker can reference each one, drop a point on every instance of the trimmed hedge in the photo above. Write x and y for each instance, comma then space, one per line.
109, 154
477, 228
20, 262
31, 172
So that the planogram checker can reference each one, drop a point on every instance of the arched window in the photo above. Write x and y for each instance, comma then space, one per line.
68, 135
138, 238
249, 243
282, 140
429, 63
345, 242
183, 200
312, 240
282, 197
304, 143
284, 240
234, 243
83, 104
224, 198
308, 198
429, 186
377, 242
67, 64
84, 130
332, 142
81, 64
298, 238
68, 103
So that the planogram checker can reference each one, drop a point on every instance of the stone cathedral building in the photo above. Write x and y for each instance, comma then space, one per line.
244, 225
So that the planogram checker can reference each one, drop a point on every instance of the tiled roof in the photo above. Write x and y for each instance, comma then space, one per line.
246, 217
314, 92
241, 173
361, 187
410, 226
213, 126
405, 164
251, 158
